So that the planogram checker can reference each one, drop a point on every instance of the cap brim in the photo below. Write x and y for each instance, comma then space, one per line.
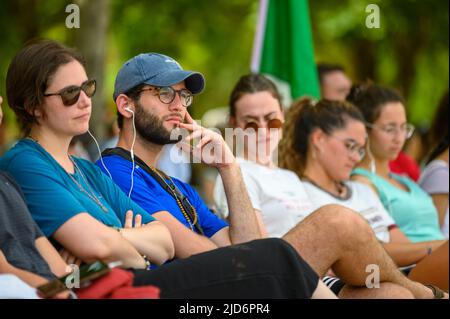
194, 81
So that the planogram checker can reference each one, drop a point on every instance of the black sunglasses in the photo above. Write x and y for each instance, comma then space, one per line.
71, 94
271, 124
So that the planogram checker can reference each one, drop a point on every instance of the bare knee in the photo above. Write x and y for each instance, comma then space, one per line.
343, 222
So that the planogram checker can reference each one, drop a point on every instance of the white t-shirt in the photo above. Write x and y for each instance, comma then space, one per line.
360, 199
277, 193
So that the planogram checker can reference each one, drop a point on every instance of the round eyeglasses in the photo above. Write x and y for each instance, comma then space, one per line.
406, 129
353, 148
167, 94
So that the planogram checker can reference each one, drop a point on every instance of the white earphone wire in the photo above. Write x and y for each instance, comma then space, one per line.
100, 154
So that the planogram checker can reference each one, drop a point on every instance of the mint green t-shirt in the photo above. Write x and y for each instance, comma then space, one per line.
413, 210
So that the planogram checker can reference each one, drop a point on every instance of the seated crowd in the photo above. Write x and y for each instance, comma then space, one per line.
326, 207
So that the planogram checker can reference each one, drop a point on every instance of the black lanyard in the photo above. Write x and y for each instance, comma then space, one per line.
182, 201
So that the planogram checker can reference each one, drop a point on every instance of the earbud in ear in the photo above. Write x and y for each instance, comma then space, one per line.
128, 109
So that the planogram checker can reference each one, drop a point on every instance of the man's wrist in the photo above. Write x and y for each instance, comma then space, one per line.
225, 168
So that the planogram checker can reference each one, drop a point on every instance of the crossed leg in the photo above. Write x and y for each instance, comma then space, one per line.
338, 238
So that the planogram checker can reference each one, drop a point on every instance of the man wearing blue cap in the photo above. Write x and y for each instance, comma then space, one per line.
152, 93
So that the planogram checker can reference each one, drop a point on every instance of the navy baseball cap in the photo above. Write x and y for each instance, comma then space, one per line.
157, 70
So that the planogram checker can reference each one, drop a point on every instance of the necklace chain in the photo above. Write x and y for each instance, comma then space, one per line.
91, 192
91, 195
340, 187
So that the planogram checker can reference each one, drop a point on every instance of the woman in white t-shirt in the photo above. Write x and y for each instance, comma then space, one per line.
278, 195
323, 142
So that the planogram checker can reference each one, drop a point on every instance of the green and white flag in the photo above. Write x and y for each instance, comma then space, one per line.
283, 46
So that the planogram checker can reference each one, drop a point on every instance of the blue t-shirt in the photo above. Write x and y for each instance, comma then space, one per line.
52, 195
154, 198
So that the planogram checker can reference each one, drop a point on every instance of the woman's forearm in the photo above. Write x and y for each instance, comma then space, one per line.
117, 248
405, 254
28, 277
152, 240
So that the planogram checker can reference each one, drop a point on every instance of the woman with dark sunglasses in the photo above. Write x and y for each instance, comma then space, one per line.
256, 116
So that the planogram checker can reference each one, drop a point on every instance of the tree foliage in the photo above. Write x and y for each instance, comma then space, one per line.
409, 51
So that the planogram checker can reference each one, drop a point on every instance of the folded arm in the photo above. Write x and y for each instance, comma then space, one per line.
90, 240
153, 240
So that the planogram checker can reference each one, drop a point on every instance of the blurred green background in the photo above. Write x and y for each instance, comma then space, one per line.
409, 51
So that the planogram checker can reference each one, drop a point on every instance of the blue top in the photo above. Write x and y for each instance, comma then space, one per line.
412, 210
154, 198
53, 197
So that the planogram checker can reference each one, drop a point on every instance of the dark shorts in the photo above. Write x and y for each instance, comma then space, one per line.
266, 268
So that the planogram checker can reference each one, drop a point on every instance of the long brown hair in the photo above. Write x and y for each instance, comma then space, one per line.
302, 118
